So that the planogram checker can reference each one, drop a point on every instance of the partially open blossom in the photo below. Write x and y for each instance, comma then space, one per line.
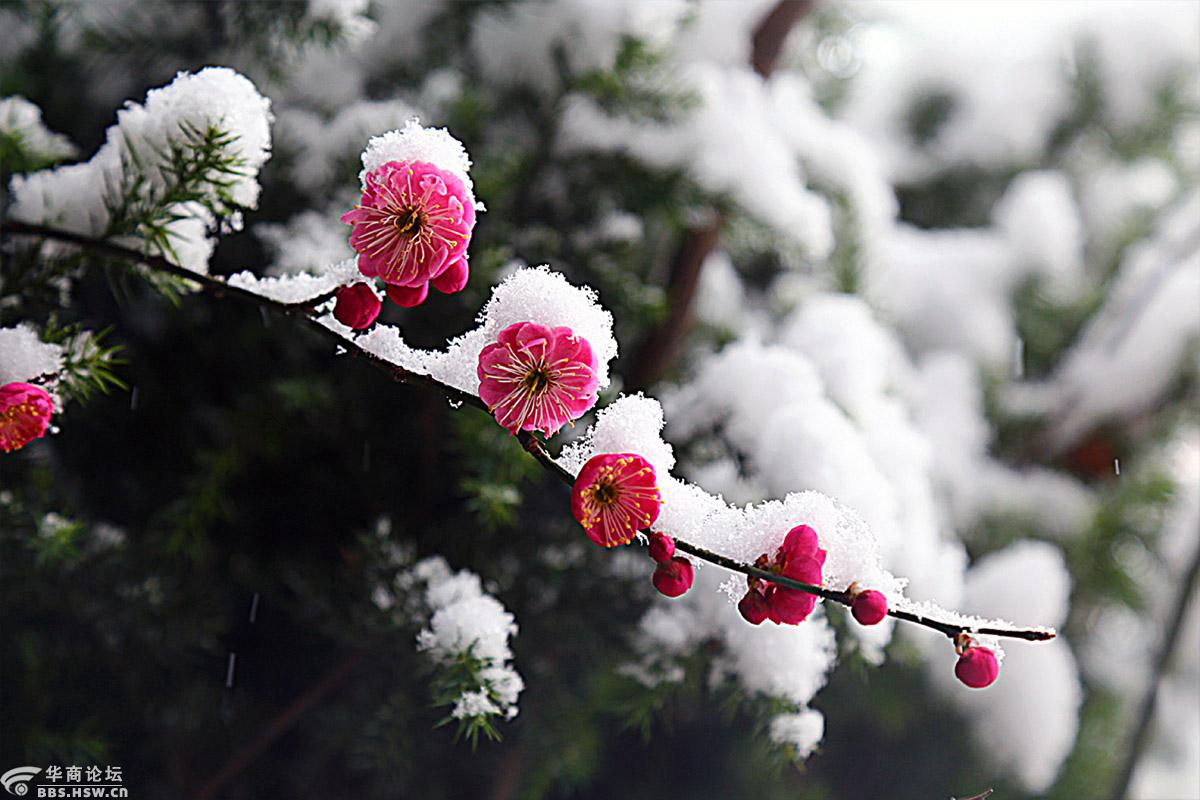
615, 495
25, 412
801, 558
977, 666
662, 547
356, 306
674, 576
535, 378
869, 607
412, 228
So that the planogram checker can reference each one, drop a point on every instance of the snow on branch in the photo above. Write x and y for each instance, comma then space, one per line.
632, 421
170, 172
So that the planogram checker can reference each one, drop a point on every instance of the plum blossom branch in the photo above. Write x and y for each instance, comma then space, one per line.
532, 444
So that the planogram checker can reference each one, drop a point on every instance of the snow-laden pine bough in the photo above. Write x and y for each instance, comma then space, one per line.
179, 169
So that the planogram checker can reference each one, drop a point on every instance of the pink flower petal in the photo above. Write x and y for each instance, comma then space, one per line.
407, 296
453, 279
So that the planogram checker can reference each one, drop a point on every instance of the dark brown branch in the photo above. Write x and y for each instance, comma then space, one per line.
1162, 666
773, 31
508, 777
221, 288
663, 342
532, 444
279, 725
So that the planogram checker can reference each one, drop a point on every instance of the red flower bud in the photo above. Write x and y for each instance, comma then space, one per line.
753, 607
869, 607
662, 547
357, 306
977, 667
673, 577
408, 296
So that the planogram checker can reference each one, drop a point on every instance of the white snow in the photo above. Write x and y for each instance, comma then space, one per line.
414, 142
1039, 216
463, 618
709, 143
517, 44
307, 242
803, 730
74, 197
321, 147
23, 355
22, 119
299, 287
1131, 349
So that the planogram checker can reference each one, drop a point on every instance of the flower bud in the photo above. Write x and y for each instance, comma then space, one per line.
673, 577
869, 607
753, 607
357, 306
662, 547
977, 667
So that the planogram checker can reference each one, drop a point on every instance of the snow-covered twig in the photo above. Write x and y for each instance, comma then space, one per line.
306, 309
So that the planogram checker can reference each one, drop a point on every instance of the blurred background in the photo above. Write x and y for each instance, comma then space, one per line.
974, 228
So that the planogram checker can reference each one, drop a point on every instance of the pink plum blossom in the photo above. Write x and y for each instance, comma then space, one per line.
412, 228
25, 412
801, 558
615, 495
535, 378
